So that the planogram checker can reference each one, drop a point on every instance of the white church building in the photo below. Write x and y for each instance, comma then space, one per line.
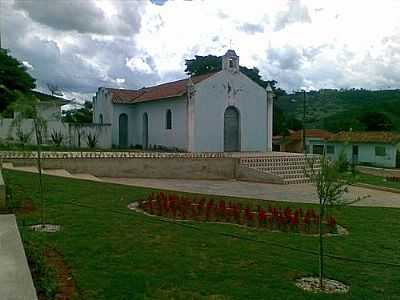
223, 111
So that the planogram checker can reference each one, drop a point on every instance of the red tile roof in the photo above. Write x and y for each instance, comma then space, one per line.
162, 91
366, 137
311, 133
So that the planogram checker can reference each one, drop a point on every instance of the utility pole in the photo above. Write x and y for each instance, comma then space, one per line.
304, 121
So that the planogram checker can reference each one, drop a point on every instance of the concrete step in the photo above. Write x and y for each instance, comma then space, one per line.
30, 169
52, 172
297, 180
8, 165
85, 176
289, 168
57, 172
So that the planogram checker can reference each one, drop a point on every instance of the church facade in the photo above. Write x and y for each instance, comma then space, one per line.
223, 111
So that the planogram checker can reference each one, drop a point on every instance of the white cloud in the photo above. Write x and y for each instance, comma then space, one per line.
299, 43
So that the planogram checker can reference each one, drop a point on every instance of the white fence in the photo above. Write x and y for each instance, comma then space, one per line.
74, 135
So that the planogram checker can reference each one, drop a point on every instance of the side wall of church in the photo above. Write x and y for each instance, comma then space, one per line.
213, 96
158, 133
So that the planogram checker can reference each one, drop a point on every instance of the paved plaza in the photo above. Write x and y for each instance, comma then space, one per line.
304, 193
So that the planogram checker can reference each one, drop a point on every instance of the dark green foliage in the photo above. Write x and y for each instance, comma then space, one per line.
203, 64
294, 124
57, 138
13, 78
80, 115
336, 110
92, 141
376, 121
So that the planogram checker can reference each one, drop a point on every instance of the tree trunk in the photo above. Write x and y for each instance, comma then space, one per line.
39, 166
321, 247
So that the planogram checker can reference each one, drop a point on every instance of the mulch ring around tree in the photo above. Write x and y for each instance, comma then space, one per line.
50, 228
66, 285
311, 284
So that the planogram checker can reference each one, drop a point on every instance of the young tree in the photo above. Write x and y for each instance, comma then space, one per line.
26, 106
331, 184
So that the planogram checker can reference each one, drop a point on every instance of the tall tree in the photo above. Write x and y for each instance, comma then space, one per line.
13, 79
82, 114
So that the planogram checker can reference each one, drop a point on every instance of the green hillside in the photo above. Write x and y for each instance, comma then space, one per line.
337, 110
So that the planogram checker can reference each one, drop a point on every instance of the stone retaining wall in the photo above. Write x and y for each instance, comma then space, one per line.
145, 164
176, 168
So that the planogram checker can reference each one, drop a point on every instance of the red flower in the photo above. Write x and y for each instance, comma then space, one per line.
262, 216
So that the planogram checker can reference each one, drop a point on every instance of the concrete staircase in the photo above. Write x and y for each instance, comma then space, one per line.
291, 168
51, 172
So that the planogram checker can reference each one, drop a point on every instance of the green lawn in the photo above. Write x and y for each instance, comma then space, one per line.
377, 180
116, 254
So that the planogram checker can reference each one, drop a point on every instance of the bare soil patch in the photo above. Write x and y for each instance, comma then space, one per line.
66, 285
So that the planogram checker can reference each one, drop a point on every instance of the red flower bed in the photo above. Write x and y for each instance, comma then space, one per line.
274, 218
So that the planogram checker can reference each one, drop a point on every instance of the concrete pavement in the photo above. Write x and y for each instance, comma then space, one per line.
304, 193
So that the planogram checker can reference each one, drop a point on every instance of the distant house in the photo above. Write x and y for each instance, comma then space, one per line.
216, 112
315, 141
380, 149
50, 106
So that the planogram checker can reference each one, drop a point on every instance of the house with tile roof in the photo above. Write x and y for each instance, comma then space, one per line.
315, 140
215, 112
381, 149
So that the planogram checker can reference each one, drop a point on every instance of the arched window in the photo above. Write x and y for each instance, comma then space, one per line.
101, 119
168, 124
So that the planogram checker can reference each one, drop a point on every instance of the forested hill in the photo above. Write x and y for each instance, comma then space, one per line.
336, 110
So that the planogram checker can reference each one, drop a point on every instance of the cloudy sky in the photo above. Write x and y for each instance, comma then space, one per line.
80, 45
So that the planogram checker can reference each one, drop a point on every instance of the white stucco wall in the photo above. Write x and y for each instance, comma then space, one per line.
70, 134
210, 102
157, 132
50, 111
366, 153
102, 105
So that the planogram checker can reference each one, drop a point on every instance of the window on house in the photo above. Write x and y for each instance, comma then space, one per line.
318, 149
380, 151
168, 124
231, 63
330, 149
101, 119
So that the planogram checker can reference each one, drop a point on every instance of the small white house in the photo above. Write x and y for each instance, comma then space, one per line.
381, 149
216, 112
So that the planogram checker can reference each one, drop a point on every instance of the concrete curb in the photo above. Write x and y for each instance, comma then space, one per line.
15, 277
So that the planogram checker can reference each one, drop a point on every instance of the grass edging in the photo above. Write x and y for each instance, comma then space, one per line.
377, 187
